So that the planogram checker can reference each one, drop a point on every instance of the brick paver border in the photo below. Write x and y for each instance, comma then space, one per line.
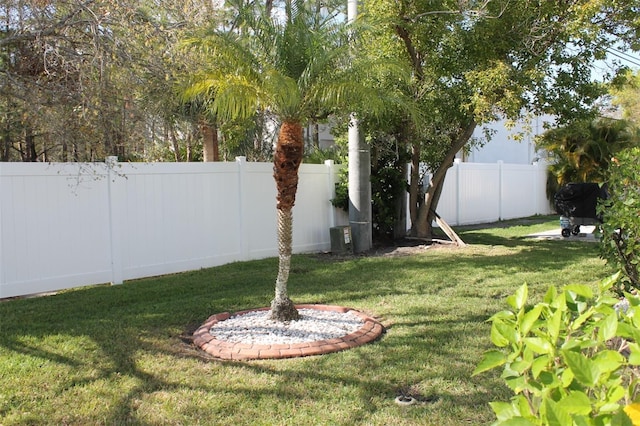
202, 338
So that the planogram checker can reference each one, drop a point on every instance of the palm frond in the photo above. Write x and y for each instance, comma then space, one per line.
297, 67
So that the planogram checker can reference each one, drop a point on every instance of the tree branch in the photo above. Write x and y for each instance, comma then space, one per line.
52, 30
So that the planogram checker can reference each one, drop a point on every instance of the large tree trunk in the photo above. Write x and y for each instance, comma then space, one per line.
29, 153
400, 224
286, 161
5, 149
422, 225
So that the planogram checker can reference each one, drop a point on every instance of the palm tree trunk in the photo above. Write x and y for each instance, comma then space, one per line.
286, 161
210, 149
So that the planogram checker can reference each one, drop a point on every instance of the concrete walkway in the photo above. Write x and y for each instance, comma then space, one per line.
586, 234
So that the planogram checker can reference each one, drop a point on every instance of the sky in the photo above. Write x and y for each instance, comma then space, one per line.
615, 58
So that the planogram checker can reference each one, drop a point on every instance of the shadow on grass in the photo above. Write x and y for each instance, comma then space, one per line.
434, 304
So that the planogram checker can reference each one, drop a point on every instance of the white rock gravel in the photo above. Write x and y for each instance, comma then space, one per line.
257, 328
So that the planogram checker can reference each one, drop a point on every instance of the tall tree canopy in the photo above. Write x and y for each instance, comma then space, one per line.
84, 79
626, 96
476, 61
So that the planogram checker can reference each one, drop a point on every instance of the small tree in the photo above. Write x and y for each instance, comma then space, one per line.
292, 67
620, 244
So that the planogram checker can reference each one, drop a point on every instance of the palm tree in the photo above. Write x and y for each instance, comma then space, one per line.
294, 67
582, 150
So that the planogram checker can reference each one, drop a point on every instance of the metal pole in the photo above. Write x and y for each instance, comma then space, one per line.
359, 174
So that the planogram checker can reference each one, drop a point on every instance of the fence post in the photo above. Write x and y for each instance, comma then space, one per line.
114, 222
1, 258
456, 165
243, 207
500, 190
535, 187
331, 190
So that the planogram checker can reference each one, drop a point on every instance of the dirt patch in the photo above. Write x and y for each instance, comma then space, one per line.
402, 247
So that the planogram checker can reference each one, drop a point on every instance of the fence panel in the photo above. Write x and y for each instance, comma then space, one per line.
519, 185
52, 227
173, 217
68, 225
480, 193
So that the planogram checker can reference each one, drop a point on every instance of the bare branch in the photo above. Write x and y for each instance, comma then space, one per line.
52, 30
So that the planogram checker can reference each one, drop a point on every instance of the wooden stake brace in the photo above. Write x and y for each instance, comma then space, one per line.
448, 230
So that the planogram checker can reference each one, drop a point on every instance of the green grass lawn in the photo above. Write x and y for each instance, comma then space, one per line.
117, 355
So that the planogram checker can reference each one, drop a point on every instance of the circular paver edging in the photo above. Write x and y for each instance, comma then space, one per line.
370, 331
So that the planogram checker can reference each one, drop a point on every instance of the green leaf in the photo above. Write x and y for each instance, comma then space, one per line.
519, 298
503, 410
549, 379
583, 369
522, 405
577, 323
633, 300
628, 331
560, 302
502, 315
554, 415
497, 338
608, 361
636, 318
491, 359
518, 421
539, 345
620, 418
539, 364
582, 421
576, 403
610, 407
553, 325
580, 289
520, 366
575, 302
505, 331
608, 327
566, 378
529, 319
550, 295
516, 384
616, 393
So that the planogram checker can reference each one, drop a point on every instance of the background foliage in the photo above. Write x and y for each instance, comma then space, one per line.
621, 221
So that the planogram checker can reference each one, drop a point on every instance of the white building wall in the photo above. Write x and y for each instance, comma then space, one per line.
503, 145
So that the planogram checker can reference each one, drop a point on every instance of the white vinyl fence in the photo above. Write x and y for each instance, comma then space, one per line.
482, 192
69, 225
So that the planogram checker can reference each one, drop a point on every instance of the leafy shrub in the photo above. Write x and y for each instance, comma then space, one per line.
388, 185
341, 199
571, 359
621, 216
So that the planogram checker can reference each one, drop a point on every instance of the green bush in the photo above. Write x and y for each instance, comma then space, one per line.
571, 359
621, 218
388, 185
